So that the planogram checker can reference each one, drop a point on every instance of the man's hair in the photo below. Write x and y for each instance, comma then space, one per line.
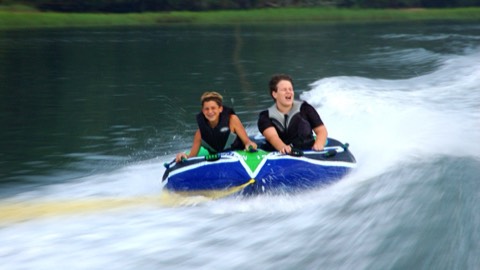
276, 79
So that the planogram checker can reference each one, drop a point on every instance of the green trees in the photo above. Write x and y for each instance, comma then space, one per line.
199, 5
413, 3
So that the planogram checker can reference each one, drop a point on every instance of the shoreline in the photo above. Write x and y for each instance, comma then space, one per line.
11, 20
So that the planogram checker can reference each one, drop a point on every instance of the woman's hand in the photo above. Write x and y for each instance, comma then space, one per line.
180, 157
249, 145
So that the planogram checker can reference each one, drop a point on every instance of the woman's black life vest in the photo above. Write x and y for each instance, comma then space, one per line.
219, 138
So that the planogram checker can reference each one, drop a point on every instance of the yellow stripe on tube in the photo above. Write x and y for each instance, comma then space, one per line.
199, 196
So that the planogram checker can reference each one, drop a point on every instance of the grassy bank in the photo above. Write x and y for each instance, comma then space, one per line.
33, 19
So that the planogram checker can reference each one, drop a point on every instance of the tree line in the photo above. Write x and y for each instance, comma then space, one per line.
203, 5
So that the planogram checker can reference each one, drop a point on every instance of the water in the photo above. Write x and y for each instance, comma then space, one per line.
88, 118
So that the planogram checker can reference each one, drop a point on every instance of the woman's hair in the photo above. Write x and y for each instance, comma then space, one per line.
212, 96
276, 79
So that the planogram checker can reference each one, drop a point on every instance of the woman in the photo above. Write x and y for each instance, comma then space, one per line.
219, 128
289, 123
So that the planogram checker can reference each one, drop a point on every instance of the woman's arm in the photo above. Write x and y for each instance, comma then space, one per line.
197, 142
236, 126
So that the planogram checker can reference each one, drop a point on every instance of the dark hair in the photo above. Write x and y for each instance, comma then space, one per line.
276, 79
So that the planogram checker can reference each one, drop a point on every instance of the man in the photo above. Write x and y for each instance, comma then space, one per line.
289, 123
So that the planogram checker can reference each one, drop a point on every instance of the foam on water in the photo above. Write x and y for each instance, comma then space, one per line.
392, 121
116, 221
386, 122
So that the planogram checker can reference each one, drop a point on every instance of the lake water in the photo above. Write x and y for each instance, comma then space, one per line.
89, 116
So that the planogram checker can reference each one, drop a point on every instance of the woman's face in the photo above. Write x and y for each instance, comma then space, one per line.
284, 94
211, 110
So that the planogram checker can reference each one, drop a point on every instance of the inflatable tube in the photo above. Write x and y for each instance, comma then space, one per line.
244, 172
